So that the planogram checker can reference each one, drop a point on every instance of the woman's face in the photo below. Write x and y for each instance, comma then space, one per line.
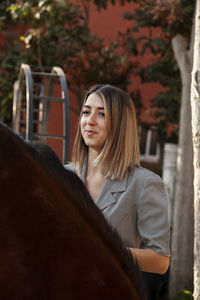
93, 123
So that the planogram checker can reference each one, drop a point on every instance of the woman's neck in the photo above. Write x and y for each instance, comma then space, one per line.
94, 176
92, 168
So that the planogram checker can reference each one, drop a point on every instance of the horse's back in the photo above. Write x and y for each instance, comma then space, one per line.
51, 246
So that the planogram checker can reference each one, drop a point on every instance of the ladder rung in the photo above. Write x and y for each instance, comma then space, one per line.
37, 110
37, 121
34, 122
34, 110
49, 98
50, 135
40, 84
44, 74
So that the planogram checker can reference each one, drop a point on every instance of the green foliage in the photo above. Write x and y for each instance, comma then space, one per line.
169, 17
5, 17
9, 69
166, 105
55, 32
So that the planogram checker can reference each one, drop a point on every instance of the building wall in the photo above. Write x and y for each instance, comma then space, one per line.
106, 24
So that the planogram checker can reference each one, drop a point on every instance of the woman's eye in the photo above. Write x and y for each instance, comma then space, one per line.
85, 112
102, 114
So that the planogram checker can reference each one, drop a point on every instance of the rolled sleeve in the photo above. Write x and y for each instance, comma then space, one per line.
152, 211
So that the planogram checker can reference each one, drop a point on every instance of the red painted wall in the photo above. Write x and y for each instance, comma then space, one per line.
106, 23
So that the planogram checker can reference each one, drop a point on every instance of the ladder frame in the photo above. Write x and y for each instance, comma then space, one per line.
26, 80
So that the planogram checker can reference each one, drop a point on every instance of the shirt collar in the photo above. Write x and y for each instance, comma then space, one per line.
115, 185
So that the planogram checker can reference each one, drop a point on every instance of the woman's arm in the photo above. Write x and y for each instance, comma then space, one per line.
150, 261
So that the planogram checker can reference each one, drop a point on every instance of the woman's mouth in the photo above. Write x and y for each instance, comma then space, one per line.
90, 132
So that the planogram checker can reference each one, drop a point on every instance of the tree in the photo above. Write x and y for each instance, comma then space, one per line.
173, 60
195, 98
167, 18
183, 218
63, 26
10, 62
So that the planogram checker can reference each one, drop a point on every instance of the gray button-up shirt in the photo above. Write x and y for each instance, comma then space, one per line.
137, 207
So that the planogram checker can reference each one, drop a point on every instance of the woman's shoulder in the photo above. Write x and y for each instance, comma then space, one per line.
70, 166
142, 174
141, 171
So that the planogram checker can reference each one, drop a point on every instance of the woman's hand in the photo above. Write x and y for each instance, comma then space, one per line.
150, 261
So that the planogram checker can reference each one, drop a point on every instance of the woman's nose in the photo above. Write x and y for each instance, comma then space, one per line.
92, 119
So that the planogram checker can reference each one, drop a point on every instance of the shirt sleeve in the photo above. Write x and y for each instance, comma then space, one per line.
152, 212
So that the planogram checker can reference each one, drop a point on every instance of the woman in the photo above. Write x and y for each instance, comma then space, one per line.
106, 157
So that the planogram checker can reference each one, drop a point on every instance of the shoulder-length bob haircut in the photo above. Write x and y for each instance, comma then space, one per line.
120, 153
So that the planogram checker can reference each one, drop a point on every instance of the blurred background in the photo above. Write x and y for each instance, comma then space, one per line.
52, 51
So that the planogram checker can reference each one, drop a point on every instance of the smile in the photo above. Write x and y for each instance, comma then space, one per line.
90, 132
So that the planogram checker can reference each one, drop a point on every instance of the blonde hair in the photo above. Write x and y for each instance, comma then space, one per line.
120, 153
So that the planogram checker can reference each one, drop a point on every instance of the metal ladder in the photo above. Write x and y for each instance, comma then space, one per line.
33, 95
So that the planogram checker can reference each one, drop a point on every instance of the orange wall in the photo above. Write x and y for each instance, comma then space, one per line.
107, 23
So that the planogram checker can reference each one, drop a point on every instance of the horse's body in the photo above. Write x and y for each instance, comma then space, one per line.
55, 243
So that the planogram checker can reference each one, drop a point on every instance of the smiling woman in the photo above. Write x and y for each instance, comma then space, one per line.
93, 123
106, 157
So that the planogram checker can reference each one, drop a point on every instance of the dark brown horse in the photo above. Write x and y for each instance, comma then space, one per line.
54, 242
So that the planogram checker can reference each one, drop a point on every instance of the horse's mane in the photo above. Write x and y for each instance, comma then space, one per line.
82, 199
42, 157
